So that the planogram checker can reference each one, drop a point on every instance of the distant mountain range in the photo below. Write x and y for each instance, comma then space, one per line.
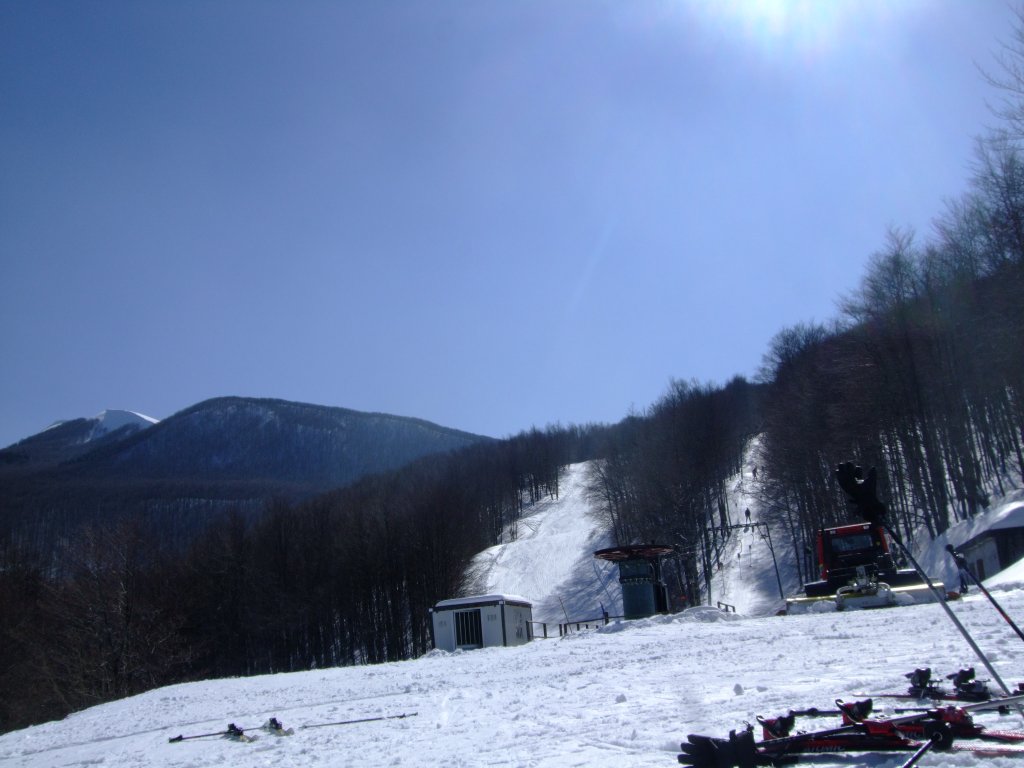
229, 449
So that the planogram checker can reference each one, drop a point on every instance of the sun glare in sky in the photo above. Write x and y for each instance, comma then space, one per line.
797, 26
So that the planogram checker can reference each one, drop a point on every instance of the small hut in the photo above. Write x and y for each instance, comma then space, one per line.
999, 545
482, 621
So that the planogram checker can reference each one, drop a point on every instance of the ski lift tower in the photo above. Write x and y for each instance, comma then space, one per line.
643, 590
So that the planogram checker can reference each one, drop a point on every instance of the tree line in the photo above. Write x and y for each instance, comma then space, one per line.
110, 609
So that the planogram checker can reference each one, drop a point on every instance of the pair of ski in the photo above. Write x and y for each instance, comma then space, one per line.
918, 733
274, 727
965, 687
959, 721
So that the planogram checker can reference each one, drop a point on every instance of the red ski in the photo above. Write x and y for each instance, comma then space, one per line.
959, 721
740, 750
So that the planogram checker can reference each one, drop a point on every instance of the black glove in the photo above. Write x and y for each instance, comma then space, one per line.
862, 493
738, 751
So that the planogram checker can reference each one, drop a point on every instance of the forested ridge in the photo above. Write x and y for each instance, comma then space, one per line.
920, 375
228, 453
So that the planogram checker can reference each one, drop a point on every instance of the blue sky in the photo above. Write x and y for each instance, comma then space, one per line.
487, 214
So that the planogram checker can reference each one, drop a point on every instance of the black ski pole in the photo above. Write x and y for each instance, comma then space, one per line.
361, 720
862, 495
231, 730
931, 742
180, 737
961, 564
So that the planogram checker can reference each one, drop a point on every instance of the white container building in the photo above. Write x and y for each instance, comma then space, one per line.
482, 621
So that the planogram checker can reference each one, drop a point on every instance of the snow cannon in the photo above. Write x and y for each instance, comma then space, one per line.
643, 590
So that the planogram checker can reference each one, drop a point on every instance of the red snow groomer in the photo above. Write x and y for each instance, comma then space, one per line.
858, 571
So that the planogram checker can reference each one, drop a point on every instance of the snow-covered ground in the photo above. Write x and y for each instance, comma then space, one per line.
625, 695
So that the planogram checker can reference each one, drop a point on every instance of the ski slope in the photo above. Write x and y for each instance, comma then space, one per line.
749, 580
624, 695
551, 559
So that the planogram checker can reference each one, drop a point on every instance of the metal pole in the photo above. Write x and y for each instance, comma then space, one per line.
768, 537
362, 720
914, 758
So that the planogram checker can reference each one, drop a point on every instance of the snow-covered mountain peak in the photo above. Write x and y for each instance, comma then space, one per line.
113, 419
82, 431
108, 421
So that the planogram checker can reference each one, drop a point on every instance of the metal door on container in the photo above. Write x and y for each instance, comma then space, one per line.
468, 629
